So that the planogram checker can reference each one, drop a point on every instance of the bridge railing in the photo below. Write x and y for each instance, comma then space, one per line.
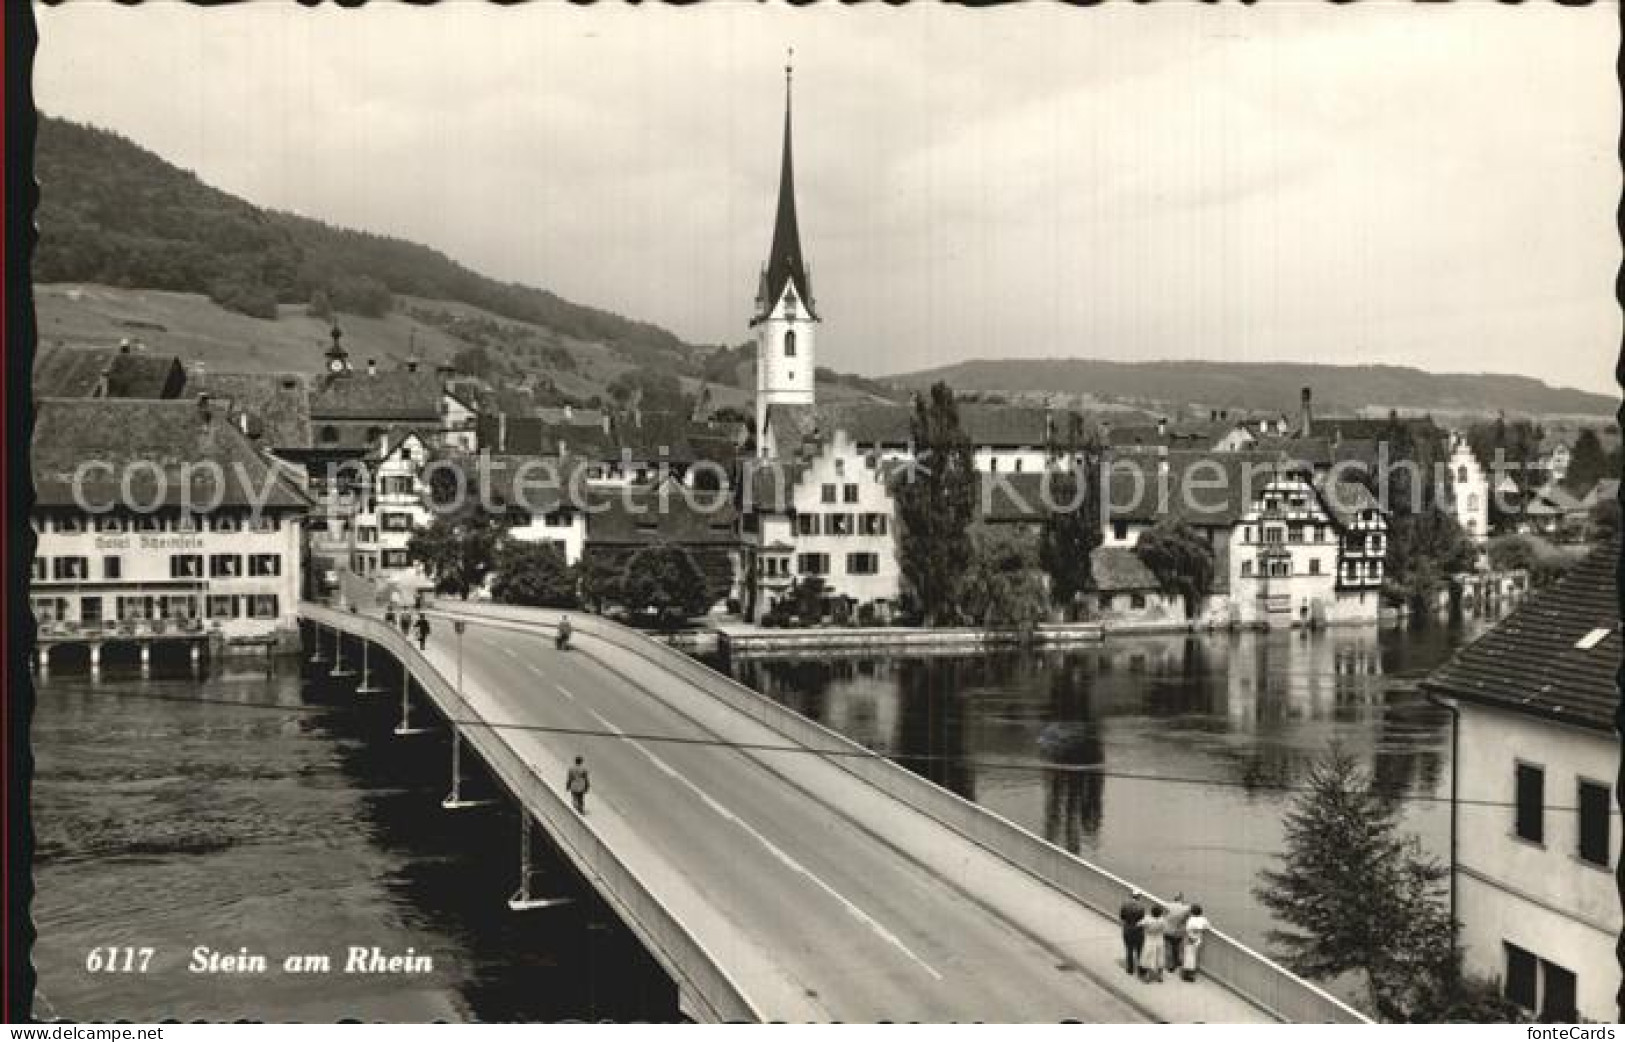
1243, 970
699, 974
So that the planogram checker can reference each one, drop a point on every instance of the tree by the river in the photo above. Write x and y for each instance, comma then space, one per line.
457, 554
1072, 528
936, 504
1004, 585
534, 575
1358, 896
1181, 560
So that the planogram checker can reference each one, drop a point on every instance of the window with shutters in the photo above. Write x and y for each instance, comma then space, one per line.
1520, 976
1594, 823
1529, 817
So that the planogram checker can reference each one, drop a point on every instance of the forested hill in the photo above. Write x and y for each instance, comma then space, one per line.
114, 213
1269, 385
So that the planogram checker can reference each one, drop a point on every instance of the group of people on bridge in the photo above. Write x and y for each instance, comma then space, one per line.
1161, 938
412, 625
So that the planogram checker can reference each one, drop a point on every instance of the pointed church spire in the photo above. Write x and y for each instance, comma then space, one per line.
784, 262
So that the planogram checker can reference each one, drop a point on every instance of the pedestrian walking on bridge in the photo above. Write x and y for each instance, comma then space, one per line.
1132, 915
423, 630
1179, 914
1196, 929
578, 783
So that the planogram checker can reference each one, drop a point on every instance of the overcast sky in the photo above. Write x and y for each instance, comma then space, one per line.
1423, 185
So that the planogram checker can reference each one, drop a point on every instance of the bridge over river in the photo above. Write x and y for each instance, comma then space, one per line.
776, 870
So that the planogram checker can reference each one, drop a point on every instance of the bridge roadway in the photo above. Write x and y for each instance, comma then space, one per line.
821, 897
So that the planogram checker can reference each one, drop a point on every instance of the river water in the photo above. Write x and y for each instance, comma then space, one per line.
280, 814
276, 813
1168, 760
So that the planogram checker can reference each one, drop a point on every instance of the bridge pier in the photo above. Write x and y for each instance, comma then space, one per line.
454, 800
405, 726
338, 669
146, 657
44, 658
316, 656
95, 659
523, 900
366, 687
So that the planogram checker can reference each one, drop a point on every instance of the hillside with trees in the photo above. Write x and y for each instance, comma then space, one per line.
116, 214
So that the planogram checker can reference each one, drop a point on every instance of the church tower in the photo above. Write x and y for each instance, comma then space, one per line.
784, 319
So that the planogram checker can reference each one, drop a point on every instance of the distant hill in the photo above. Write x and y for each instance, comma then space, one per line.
115, 214
133, 246
1268, 385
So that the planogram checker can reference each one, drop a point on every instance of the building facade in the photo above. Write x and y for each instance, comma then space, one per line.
160, 520
1536, 819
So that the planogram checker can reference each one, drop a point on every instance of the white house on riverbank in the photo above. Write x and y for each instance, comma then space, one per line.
1536, 820
189, 530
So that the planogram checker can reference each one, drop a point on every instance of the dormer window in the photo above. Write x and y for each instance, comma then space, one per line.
790, 341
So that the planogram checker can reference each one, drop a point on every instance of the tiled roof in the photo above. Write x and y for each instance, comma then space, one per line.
876, 423
570, 416
1008, 426
1316, 451
1368, 428
1211, 489
77, 372
1536, 660
1344, 500
646, 518
537, 484
70, 372
277, 404
1119, 568
147, 442
398, 394
533, 436
1174, 436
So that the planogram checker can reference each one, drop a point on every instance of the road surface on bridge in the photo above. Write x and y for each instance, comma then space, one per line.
824, 898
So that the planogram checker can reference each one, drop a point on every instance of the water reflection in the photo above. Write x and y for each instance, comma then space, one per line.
1075, 788
1202, 740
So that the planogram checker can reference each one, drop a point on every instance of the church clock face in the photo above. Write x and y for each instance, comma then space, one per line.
335, 365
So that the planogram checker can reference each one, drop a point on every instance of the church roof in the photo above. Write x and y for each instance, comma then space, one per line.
784, 262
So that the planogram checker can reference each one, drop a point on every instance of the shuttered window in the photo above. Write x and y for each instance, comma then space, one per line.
1594, 823
1520, 978
1531, 797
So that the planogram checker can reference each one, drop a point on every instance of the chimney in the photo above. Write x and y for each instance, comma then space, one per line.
124, 346
372, 367
568, 413
1162, 426
205, 414
1307, 414
606, 421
